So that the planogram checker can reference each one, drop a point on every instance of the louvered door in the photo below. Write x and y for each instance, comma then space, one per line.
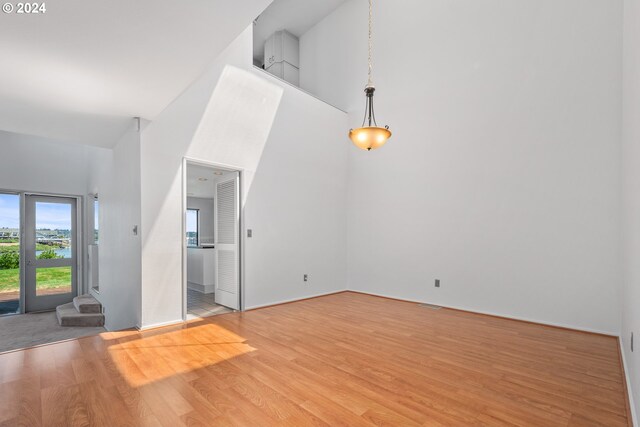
227, 235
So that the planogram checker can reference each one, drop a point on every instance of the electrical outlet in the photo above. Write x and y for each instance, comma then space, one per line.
437, 283
305, 277
249, 233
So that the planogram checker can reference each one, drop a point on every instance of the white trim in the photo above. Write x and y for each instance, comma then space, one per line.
298, 88
159, 325
23, 282
302, 298
183, 265
634, 417
490, 313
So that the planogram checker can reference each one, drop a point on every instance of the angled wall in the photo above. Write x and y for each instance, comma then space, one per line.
294, 161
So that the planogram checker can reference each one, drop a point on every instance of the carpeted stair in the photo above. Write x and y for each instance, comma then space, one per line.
85, 310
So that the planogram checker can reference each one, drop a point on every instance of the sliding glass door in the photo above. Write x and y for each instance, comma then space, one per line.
9, 253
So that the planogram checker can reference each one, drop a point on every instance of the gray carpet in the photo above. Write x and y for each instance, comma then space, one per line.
28, 330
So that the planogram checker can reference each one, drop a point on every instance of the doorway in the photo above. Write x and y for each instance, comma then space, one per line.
211, 244
50, 252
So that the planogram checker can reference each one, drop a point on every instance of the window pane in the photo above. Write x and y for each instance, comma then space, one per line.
96, 224
9, 253
53, 230
192, 227
53, 280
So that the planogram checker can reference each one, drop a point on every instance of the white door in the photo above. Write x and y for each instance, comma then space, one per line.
227, 245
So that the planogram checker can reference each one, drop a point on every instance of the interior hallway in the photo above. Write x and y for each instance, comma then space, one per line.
203, 305
343, 359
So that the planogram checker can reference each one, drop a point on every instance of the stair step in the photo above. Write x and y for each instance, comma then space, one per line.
69, 316
87, 304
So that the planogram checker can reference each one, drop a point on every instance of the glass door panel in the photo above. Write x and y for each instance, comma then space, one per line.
50, 252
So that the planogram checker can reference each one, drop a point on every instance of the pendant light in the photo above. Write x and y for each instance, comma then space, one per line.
371, 136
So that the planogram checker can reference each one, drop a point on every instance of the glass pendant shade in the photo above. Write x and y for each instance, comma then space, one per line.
369, 137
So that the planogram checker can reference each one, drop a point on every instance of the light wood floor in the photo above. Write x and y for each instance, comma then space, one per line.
346, 359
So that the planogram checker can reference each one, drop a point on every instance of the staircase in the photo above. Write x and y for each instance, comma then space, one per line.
85, 310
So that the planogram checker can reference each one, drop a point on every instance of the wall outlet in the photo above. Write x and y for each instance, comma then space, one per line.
305, 277
249, 233
437, 283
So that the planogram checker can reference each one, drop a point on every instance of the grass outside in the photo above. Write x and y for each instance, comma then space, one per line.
16, 247
46, 278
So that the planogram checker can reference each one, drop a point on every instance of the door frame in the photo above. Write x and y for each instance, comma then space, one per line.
241, 238
31, 201
80, 238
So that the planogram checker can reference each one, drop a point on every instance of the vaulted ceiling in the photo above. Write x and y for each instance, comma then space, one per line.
80, 71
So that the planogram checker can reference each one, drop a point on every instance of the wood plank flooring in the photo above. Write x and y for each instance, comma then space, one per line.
341, 360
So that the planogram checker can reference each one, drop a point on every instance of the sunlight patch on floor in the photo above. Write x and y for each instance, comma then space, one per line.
181, 351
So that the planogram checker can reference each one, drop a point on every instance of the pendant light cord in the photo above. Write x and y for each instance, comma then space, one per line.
370, 81
368, 109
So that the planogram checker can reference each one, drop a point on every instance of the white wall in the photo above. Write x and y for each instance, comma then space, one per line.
502, 176
332, 65
116, 180
205, 217
290, 148
631, 194
30, 163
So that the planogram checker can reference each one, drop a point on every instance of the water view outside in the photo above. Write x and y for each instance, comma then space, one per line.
53, 240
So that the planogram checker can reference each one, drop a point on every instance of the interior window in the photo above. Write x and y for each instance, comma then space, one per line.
96, 208
192, 227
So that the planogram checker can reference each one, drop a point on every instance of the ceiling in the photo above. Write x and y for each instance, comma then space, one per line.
295, 16
82, 70
196, 184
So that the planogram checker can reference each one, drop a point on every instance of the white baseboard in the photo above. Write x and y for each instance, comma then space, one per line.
489, 313
205, 289
253, 307
159, 325
632, 406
